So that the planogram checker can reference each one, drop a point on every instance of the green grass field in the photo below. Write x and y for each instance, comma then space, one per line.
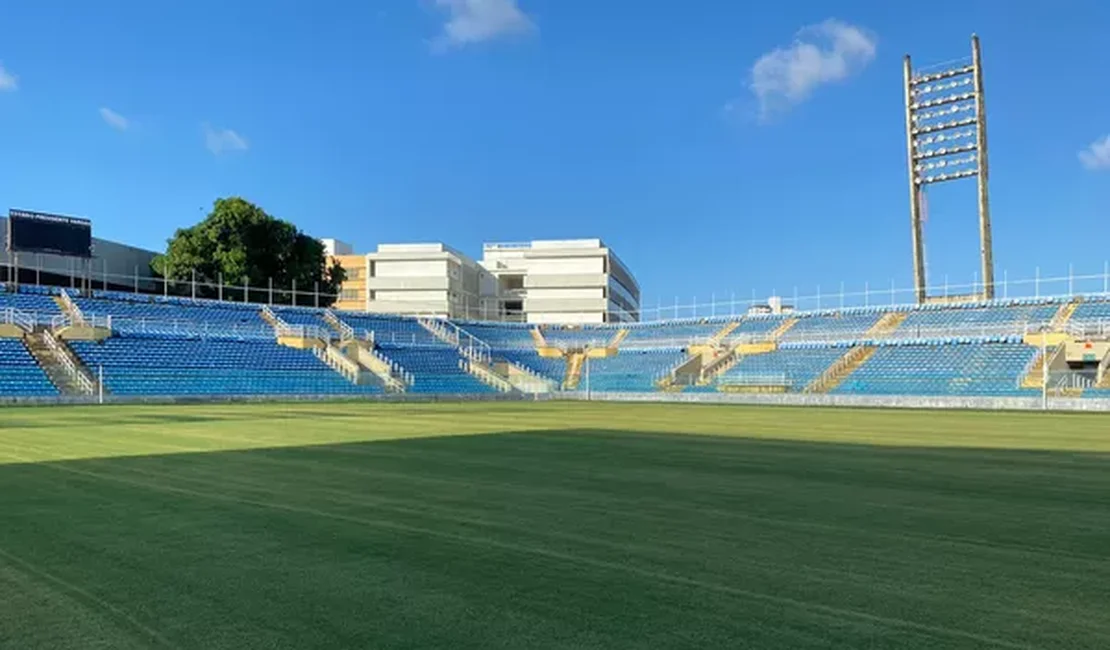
561, 525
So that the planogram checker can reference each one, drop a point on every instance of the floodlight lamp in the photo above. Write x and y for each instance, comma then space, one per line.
943, 126
925, 90
943, 164
942, 137
945, 151
944, 112
940, 101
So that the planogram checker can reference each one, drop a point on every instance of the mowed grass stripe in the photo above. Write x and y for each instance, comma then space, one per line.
558, 532
31, 433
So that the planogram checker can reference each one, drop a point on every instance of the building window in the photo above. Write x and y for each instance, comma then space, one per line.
354, 274
349, 294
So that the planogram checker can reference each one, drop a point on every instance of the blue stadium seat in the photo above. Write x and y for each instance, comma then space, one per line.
434, 369
982, 369
1093, 311
796, 367
629, 370
392, 330
145, 315
20, 374
38, 304
551, 368
975, 317
501, 336
213, 367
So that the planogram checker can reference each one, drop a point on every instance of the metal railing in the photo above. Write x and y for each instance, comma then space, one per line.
439, 330
763, 379
1063, 284
71, 307
184, 328
468, 345
304, 331
1088, 328
1063, 381
339, 362
471, 346
547, 381
346, 332
397, 370
486, 376
13, 316
282, 328
75, 373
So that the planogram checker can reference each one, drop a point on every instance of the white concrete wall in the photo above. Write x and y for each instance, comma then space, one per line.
565, 280
409, 268
410, 296
565, 265
564, 318
336, 247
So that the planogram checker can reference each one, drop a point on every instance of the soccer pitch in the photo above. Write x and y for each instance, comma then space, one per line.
551, 525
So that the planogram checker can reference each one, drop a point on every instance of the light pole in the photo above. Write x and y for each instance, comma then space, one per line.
946, 140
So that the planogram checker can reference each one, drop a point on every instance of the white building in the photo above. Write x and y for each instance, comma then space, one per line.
428, 279
562, 281
335, 247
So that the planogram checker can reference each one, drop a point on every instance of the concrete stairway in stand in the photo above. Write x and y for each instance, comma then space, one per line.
1064, 314
841, 369
63, 368
501, 374
887, 324
368, 359
574, 370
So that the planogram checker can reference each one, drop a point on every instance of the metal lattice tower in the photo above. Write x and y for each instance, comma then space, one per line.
946, 140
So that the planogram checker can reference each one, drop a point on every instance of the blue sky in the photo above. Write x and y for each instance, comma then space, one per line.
649, 124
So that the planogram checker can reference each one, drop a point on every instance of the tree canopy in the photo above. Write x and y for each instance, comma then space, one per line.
243, 243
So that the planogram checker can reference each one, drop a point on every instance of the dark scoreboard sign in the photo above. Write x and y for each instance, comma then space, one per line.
38, 232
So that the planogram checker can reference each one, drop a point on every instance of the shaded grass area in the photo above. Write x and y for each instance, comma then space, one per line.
574, 526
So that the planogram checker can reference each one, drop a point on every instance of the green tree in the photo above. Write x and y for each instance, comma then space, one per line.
240, 241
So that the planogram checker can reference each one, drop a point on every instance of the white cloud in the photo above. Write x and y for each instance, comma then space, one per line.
219, 141
114, 119
474, 21
825, 53
8, 81
1097, 154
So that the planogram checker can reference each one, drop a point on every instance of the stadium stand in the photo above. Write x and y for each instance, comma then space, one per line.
794, 367
168, 346
972, 316
671, 333
987, 369
579, 337
301, 316
1091, 312
551, 368
833, 324
630, 370
31, 301
20, 375
390, 329
758, 325
501, 336
176, 366
435, 369
143, 315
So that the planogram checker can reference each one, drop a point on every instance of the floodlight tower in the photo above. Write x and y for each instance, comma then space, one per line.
946, 140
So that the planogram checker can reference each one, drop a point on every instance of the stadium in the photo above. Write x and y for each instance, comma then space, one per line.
543, 466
